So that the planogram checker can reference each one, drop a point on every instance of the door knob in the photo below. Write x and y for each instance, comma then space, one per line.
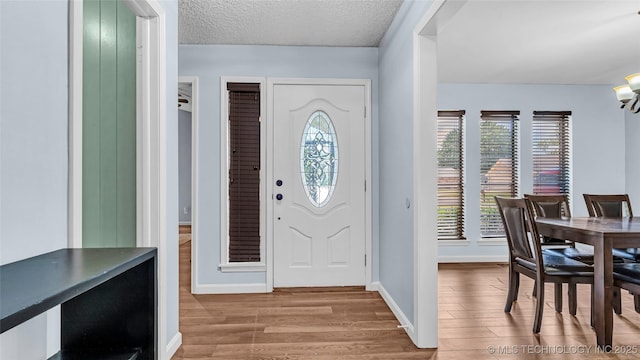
278, 182
279, 196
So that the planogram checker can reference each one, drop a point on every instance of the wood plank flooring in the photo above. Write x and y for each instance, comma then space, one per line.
184, 234
350, 323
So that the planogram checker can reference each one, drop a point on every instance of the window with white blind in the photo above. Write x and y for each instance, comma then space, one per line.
498, 166
450, 175
551, 151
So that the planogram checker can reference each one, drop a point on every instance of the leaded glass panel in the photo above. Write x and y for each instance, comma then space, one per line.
319, 158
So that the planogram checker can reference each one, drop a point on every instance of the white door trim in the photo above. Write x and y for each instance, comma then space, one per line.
75, 124
151, 37
225, 265
195, 121
271, 82
151, 144
425, 170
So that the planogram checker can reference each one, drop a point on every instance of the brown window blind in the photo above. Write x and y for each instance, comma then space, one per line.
551, 150
244, 172
498, 166
450, 175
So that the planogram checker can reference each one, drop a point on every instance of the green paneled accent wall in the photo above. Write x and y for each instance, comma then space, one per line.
109, 125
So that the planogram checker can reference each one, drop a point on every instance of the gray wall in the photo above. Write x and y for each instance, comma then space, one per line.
598, 132
34, 155
34, 128
184, 166
33, 147
396, 156
209, 63
632, 132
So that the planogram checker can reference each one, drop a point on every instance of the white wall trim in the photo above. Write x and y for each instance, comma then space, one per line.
152, 85
152, 152
271, 82
425, 169
447, 243
405, 323
368, 199
425, 195
173, 345
242, 267
474, 259
75, 123
195, 124
225, 266
492, 242
158, 172
269, 163
231, 288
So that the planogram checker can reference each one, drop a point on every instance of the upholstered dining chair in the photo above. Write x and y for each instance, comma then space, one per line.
613, 205
609, 205
626, 276
526, 257
556, 207
617, 205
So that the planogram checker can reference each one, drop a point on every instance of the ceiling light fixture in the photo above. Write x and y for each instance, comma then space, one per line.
631, 91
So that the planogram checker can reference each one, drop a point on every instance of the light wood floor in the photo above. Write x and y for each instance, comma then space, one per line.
350, 323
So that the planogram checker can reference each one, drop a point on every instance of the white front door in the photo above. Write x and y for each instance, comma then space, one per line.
319, 185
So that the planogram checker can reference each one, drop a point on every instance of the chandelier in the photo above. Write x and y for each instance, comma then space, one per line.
629, 92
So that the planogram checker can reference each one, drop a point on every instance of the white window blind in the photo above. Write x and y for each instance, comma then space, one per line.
498, 166
450, 175
551, 151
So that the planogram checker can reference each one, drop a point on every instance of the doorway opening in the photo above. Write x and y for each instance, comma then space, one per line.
188, 120
184, 160
151, 155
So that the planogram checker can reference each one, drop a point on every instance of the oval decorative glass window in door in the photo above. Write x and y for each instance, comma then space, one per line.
319, 158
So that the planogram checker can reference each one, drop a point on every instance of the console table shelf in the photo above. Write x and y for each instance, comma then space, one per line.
84, 355
108, 300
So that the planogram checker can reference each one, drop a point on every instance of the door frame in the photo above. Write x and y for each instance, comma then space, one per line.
269, 198
193, 80
425, 169
151, 138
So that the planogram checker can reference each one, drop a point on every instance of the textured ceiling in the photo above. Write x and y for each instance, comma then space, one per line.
487, 41
285, 22
541, 41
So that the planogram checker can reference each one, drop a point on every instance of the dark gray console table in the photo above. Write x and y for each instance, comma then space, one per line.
108, 300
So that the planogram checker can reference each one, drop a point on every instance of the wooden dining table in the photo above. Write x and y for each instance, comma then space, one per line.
603, 234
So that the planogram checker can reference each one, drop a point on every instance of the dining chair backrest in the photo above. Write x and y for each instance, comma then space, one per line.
612, 205
517, 218
549, 206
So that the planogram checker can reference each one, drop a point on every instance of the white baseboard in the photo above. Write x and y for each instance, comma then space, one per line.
173, 346
402, 318
230, 288
184, 222
474, 258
